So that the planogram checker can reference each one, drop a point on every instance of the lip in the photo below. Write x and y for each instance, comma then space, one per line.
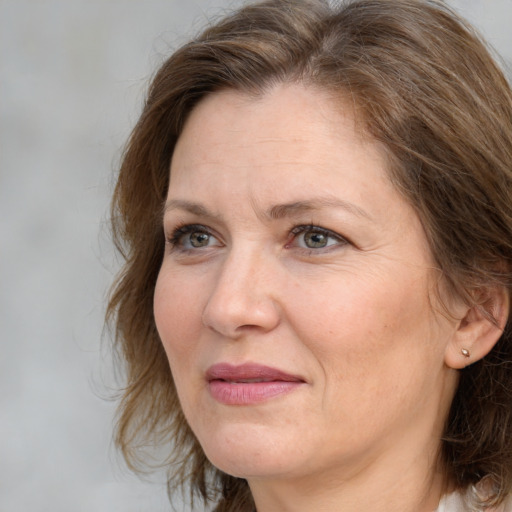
249, 383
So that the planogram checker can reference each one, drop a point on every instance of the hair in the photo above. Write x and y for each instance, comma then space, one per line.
425, 86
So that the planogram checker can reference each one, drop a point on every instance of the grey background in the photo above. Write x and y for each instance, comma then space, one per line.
72, 79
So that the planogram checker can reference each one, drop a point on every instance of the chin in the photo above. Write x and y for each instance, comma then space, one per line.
249, 451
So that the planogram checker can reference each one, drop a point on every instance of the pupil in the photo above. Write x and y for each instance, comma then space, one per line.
315, 240
199, 239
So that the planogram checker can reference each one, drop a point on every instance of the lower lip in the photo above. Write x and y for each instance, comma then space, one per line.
247, 393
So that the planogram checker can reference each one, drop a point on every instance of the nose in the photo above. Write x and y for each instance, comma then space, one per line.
243, 298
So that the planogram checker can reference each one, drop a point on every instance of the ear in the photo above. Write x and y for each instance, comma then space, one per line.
479, 329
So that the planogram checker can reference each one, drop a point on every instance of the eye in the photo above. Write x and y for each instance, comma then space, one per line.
314, 237
198, 239
192, 236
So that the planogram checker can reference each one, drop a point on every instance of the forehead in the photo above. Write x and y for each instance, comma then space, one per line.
292, 144
293, 97
305, 122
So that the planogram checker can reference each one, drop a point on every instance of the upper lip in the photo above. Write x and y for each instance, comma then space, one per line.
249, 372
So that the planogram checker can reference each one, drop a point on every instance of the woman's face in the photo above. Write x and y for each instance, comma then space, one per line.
295, 300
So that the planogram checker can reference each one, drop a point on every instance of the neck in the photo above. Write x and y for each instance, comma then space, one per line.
402, 472
410, 481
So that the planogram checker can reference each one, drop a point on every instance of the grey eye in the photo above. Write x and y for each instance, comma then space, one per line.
191, 237
315, 239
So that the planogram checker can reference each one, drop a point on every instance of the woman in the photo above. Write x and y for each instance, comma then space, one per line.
315, 210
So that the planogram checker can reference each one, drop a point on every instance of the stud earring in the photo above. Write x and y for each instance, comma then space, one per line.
465, 352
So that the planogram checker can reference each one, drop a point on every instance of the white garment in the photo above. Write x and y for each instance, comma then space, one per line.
457, 502
454, 502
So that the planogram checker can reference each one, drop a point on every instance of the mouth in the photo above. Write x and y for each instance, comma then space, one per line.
249, 383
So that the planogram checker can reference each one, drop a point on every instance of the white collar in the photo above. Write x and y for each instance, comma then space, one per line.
454, 502
458, 502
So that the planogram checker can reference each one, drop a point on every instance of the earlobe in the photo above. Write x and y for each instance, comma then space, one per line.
479, 329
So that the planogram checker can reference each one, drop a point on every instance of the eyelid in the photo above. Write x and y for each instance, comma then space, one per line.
174, 240
304, 228
181, 230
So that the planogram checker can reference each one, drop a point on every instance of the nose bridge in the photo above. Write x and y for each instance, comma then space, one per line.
243, 296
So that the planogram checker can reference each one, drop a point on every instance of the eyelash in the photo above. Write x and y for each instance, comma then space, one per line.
186, 229
303, 229
175, 240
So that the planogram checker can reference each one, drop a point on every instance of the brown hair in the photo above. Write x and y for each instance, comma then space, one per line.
425, 86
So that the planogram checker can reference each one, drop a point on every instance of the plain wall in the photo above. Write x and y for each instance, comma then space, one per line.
72, 80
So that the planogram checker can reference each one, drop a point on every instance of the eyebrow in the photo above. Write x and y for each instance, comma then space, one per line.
188, 206
275, 212
297, 207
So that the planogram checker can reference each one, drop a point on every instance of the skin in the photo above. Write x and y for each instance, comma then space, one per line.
356, 319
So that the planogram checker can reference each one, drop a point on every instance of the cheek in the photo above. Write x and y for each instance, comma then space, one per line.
368, 308
362, 330
178, 321
177, 317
